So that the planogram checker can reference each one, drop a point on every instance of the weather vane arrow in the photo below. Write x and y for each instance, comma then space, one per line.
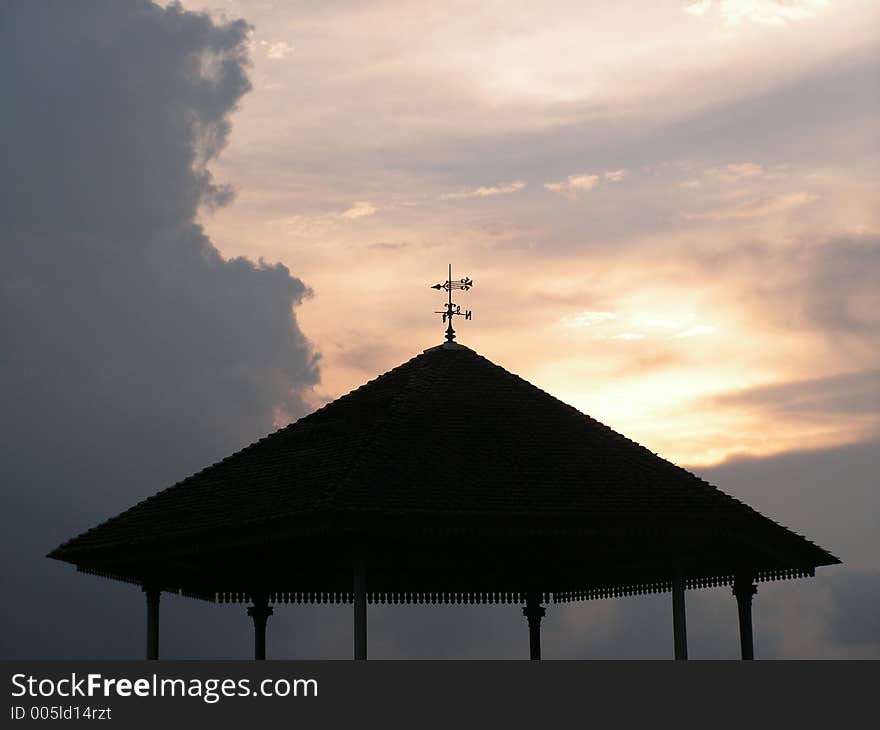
453, 309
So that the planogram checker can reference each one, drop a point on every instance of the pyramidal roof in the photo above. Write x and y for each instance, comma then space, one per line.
445, 437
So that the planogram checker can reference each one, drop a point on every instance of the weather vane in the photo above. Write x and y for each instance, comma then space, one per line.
453, 309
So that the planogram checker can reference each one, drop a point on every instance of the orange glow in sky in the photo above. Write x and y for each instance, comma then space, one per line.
666, 207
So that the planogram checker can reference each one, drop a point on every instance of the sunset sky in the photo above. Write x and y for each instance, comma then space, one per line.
669, 209
215, 217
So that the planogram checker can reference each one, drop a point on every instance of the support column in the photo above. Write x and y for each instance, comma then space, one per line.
534, 612
153, 595
744, 590
360, 609
260, 612
679, 624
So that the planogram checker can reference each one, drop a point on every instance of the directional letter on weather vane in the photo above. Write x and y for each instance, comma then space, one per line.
453, 309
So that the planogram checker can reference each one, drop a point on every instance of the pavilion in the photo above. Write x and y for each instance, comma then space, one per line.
446, 480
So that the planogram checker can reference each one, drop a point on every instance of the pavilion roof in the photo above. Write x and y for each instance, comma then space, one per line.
446, 441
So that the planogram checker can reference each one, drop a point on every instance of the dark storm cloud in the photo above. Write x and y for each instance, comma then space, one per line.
830, 495
114, 109
854, 618
133, 352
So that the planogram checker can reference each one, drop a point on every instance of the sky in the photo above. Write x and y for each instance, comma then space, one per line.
676, 202
216, 217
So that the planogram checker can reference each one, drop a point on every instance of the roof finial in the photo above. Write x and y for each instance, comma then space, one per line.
453, 309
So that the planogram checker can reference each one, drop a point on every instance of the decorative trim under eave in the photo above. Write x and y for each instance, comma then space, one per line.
469, 597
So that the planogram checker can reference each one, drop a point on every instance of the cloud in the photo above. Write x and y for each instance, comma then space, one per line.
827, 287
360, 209
768, 205
695, 331
839, 289
736, 171
277, 51
586, 319
573, 185
841, 408
769, 12
486, 192
503, 229
390, 245
699, 8
760, 12
638, 322
315, 226
830, 495
305, 226
614, 175
647, 319
134, 352
854, 620
852, 394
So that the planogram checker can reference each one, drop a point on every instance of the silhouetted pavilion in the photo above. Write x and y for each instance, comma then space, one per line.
445, 480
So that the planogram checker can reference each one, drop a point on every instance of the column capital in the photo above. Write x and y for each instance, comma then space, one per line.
744, 587
534, 612
261, 608
260, 611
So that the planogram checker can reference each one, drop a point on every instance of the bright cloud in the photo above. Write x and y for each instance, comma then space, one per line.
769, 12
573, 185
586, 319
645, 319
736, 171
614, 175
316, 226
360, 209
696, 331
699, 8
277, 51
486, 192
760, 12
